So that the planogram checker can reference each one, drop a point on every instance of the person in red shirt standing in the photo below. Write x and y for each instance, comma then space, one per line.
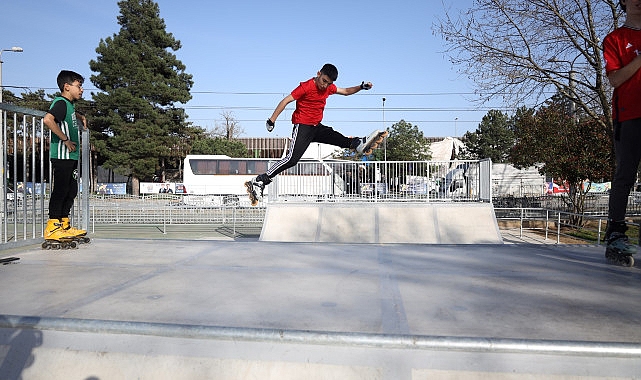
621, 51
310, 97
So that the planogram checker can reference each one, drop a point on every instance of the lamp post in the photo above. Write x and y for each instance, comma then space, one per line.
571, 83
384, 128
455, 130
15, 49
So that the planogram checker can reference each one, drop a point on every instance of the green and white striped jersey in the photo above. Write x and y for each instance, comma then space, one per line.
69, 126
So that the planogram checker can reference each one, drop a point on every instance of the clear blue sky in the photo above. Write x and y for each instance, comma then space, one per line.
245, 56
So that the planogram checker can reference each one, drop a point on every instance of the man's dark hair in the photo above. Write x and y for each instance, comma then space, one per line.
330, 70
68, 77
622, 4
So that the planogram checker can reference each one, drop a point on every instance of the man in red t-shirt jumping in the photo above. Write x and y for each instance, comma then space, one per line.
622, 54
310, 97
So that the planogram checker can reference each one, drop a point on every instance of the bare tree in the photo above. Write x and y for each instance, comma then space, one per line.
526, 50
229, 128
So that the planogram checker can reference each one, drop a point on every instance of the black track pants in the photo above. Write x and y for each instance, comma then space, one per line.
65, 188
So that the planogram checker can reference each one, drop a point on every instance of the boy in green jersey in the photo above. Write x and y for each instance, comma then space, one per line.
63, 122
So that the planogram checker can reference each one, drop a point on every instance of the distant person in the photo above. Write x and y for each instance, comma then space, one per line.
63, 121
621, 50
310, 97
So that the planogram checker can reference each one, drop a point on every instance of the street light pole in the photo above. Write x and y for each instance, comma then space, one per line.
3, 177
455, 130
384, 128
571, 84
15, 49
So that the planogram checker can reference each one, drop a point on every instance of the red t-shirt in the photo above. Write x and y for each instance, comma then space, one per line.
620, 47
310, 102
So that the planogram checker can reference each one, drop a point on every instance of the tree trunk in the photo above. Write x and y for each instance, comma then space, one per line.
163, 174
135, 185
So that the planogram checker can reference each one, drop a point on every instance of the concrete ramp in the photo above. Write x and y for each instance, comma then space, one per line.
380, 223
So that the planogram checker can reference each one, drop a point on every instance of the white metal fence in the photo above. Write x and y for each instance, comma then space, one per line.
395, 181
26, 176
164, 209
558, 225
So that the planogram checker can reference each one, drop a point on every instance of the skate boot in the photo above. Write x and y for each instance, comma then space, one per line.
255, 186
367, 144
619, 250
80, 235
56, 237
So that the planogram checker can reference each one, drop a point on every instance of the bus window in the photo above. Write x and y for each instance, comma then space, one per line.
234, 167
228, 167
242, 167
203, 167
307, 168
256, 167
224, 167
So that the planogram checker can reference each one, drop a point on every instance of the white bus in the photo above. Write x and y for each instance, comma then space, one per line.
219, 179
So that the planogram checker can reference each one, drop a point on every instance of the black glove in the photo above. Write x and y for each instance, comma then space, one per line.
365, 86
269, 124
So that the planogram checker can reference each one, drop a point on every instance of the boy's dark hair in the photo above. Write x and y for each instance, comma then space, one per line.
330, 70
622, 4
68, 77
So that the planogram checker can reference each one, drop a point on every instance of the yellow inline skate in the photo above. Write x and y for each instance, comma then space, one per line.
80, 235
56, 237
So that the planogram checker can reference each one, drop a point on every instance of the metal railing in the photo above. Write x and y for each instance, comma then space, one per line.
26, 175
546, 224
394, 181
162, 210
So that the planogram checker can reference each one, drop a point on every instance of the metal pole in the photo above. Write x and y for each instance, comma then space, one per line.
547, 223
86, 179
2, 149
558, 229
339, 339
455, 127
15, 49
571, 85
385, 140
1, 88
572, 102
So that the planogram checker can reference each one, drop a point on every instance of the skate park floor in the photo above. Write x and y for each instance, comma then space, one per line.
223, 308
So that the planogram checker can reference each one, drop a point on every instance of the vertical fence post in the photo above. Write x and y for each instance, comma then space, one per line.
547, 223
558, 229
521, 224
164, 220
86, 179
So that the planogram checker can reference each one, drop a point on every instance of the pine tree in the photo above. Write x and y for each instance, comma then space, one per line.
136, 119
492, 139
405, 142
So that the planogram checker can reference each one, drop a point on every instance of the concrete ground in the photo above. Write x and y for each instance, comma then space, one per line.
131, 306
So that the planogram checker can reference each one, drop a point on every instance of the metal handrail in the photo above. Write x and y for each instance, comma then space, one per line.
350, 339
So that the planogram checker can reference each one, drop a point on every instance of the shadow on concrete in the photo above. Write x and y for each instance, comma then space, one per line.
16, 348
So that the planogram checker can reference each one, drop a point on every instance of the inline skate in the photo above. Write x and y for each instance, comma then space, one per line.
80, 235
56, 237
619, 250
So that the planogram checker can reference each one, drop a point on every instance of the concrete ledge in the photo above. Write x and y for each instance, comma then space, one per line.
381, 223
